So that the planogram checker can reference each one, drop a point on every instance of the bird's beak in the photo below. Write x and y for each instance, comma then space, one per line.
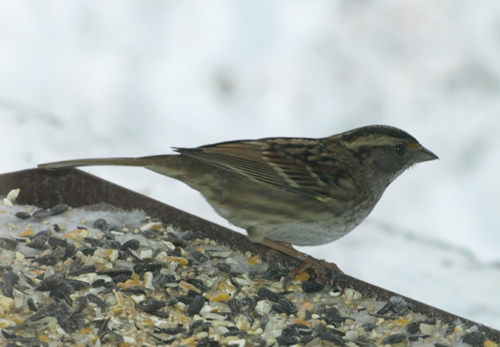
423, 155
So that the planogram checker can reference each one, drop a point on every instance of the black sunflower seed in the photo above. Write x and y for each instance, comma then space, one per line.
98, 283
54, 309
196, 305
53, 258
198, 284
4, 268
8, 244
264, 320
83, 302
176, 240
55, 241
23, 215
70, 251
71, 324
31, 305
132, 244
302, 329
198, 256
121, 278
9, 280
329, 335
171, 331
199, 326
160, 280
40, 214
96, 242
146, 266
96, 300
236, 332
150, 305
274, 273
284, 306
234, 306
64, 290
284, 340
474, 338
112, 338
135, 291
116, 272
395, 304
396, 338
311, 286
160, 314
88, 250
48, 259
268, 294
58, 209
101, 224
189, 235
113, 244
80, 270
38, 241
414, 327
78, 285
51, 282
41, 234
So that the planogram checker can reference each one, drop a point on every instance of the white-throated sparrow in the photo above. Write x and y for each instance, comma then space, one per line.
299, 191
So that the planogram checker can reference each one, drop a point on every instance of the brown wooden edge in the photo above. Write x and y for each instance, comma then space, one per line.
77, 188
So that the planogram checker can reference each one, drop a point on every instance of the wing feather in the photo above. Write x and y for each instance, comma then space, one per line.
271, 162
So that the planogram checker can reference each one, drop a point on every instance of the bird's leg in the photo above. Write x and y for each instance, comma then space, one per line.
308, 262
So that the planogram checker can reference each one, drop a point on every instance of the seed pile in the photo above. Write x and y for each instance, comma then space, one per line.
100, 275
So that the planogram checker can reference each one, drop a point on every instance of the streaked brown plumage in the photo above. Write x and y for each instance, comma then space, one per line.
300, 191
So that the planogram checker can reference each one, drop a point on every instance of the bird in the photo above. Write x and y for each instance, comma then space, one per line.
288, 191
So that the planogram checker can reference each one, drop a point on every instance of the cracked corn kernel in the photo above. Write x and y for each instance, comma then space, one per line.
27, 232
188, 286
190, 341
304, 276
128, 284
44, 338
78, 234
402, 321
254, 260
6, 303
180, 260
218, 296
17, 320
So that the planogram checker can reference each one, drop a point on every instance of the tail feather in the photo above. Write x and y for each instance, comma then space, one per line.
141, 161
173, 165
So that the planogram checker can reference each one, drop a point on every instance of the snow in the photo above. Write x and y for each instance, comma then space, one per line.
93, 79
12, 227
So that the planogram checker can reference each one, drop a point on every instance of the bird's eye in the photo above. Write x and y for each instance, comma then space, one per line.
400, 150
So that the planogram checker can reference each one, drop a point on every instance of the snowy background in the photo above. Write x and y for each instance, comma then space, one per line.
131, 78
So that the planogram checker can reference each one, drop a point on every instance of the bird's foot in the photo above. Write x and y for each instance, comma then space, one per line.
318, 266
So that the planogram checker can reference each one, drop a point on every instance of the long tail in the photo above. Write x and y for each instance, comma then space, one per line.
173, 165
142, 161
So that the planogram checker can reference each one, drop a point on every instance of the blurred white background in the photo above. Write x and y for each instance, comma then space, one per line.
131, 78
